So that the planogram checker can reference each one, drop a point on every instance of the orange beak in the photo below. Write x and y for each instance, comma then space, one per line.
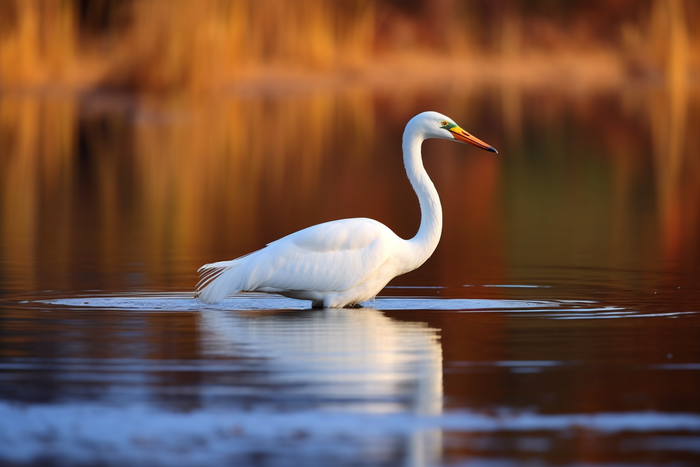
464, 137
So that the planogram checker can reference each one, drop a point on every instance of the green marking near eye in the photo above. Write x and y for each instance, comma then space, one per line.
447, 125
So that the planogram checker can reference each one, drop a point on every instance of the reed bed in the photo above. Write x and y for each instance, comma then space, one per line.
153, 45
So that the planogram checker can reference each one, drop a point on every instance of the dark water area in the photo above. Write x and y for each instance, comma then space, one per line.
558, 322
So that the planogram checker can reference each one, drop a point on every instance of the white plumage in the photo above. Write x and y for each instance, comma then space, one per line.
344, 262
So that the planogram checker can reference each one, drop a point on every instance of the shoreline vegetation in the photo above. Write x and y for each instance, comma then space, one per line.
150, 46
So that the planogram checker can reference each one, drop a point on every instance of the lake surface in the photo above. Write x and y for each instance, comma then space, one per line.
558, 322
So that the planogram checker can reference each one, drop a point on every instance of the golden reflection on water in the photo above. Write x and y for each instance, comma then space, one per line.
144, 191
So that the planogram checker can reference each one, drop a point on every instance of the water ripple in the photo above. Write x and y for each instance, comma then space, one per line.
548, 309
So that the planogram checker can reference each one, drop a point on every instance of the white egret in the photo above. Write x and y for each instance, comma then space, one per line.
344, 262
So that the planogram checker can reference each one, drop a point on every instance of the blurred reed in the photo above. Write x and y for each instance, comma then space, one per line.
176, 44
152, 45
159, 184
163, 185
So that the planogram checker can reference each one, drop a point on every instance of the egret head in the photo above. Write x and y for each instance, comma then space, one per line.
437, 125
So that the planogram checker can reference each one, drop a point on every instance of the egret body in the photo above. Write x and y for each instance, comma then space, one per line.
344, 262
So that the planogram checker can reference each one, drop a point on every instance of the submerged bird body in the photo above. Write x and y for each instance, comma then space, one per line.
348, 261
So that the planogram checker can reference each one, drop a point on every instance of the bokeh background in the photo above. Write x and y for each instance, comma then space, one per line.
174, 46
140, 139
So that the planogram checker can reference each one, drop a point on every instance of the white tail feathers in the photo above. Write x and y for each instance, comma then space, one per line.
218, 281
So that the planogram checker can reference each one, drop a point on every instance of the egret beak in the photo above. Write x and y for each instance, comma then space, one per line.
464, 137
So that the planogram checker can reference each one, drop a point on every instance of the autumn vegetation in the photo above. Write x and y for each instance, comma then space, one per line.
180, 45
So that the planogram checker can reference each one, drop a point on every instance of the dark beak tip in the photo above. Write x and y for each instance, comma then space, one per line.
492, 149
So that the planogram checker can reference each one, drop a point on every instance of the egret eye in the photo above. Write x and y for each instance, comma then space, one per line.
444, 123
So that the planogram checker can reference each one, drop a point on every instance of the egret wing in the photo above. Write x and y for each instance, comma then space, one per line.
334, 256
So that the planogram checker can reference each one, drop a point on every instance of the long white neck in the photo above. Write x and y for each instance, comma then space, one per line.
426, 240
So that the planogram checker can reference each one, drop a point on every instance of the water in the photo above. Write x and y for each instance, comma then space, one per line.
558, 323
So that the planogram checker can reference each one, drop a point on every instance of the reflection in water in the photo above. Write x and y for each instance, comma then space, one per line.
140, 192
595, 186
246, 379
352, 359
164, 378
360, 357
594, 198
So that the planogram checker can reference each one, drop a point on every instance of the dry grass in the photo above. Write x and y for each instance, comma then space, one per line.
152, 45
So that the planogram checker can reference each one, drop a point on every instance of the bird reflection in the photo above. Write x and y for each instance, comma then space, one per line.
359, 358
350, 360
